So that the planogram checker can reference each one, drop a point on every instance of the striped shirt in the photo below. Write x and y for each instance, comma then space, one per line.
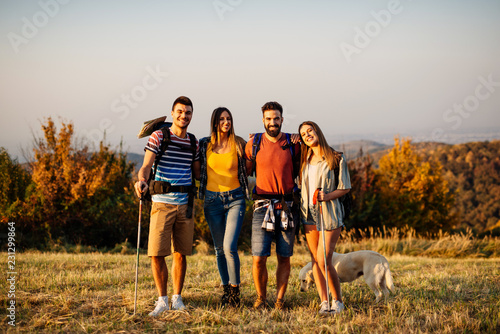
174, 166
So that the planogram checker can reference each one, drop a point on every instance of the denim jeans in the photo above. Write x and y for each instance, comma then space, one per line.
224, 212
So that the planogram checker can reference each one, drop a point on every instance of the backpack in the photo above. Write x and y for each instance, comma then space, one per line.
256, 147
166, 141
346, 200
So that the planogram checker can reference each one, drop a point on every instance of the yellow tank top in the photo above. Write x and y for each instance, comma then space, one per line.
222, 170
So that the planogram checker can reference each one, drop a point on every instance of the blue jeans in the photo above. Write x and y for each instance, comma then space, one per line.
224, 212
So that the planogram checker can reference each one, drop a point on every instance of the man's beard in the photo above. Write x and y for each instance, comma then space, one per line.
274, 132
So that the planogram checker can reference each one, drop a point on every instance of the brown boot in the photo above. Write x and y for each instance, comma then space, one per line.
224, 299
234, 295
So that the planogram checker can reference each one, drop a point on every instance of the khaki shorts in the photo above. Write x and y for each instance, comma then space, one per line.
170, 230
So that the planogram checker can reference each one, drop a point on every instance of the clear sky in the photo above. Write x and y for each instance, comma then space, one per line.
355, 67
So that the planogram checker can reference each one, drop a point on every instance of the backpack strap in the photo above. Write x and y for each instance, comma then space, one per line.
256, 146
163, 147
289, 144
192, 193
192, 139
257, 138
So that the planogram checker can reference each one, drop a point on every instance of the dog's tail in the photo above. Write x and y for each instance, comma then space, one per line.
388, 277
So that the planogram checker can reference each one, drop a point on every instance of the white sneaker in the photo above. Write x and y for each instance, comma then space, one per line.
177, 303
337, 307
161, 307
324, 308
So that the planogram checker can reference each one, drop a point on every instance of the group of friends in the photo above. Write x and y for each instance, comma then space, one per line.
283, 164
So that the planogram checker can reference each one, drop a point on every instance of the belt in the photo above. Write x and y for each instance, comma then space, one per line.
163, 187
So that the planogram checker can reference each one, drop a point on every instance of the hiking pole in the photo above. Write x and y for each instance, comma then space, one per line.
315, 199
138, 243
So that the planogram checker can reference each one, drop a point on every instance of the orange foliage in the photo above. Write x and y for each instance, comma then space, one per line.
413, 192
80, 196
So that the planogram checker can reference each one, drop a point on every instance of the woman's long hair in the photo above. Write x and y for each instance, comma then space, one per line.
331, 156
215, 127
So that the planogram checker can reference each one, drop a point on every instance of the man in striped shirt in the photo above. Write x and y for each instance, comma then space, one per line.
170, 227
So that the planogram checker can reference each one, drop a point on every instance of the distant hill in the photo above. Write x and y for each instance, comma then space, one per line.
352, 149
136, 159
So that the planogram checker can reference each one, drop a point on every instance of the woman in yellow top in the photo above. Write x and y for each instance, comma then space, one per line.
224, 187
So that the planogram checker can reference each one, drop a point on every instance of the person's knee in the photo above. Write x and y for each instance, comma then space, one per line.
158, 259
320, 261
283, 261
219, 251
259, 261
231, 248
178, 257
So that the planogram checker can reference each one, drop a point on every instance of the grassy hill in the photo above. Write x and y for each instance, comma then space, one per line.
94, 293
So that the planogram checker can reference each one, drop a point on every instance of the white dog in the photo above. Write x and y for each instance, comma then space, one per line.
373, 266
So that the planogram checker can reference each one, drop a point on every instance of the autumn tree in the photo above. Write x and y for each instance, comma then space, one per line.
413, 192
366, 210
79, 197
14, 182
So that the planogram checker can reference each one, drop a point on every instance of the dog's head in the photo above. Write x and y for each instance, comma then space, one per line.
306, 277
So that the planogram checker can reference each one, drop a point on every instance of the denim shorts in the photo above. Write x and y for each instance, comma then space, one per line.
311, 214
262, 239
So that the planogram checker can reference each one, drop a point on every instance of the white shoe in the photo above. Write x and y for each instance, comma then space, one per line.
177, 303
337, 307
161, 307
324, 308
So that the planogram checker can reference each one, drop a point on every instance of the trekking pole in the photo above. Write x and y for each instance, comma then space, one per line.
324, 246
138, 243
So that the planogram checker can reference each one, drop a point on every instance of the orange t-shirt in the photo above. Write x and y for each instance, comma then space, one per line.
274, 166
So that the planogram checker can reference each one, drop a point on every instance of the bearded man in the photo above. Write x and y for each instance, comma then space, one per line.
275, 214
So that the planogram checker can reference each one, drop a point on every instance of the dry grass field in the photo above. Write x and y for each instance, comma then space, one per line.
94, 293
